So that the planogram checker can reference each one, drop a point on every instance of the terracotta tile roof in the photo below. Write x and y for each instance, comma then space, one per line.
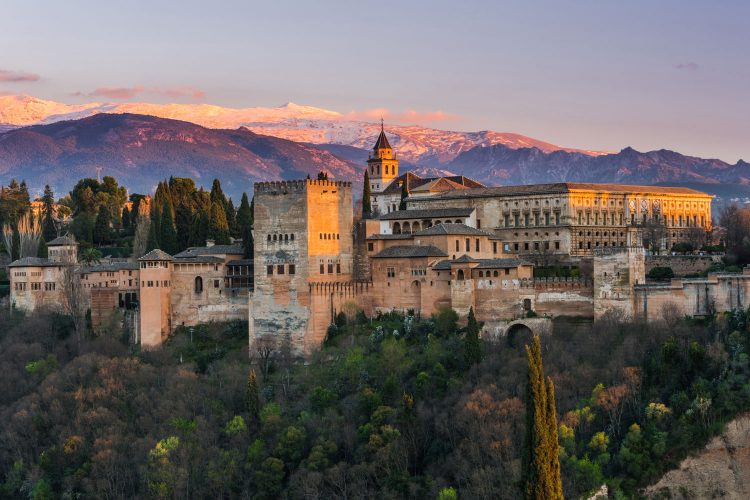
212, 250
445, 265
34, 262
410, 251
62, 240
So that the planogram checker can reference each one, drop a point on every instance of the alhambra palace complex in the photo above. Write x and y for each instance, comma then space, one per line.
457, 243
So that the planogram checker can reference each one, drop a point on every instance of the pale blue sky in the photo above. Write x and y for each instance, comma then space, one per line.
599, 74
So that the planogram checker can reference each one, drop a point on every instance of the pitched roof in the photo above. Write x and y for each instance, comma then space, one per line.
464, 259
156, 254
452, 228
445, 265
62, 240
35, 262
204, 259
109, 267
562, 188
382, 142
241, 262
417, 183
406, 236
410, 251
212, 250
427, 213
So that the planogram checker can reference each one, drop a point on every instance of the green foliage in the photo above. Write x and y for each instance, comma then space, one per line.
218, 228
49, 231
168, 237
682, 247
448, 494
472, 344
42, 250
661, 273
102, 226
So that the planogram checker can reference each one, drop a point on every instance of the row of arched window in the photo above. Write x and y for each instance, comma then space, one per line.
280, 237
329, 236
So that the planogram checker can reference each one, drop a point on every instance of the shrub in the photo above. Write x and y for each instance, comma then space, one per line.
661, 273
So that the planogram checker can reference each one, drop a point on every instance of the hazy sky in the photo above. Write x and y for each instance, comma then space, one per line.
598, 74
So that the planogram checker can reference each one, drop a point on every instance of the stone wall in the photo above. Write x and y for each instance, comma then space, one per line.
682, 265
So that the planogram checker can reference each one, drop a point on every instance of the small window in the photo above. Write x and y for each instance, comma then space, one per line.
269, 270
322, 269
280, 269
216, 283
198, 284
330, 268
292, 268
370, 247
338, 268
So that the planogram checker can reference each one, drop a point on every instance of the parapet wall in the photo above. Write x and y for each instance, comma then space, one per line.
682, 265
296, 186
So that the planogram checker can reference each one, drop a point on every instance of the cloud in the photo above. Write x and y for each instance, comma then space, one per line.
687, 66
125, 93
407, 117
17, 76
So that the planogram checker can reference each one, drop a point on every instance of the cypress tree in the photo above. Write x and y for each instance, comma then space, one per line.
404, 193
49, 231
102, 225
42, 251
540, 465
245, 225
125, 218
252, 399
153, 235
168, 236
218, 229
472, 344
366, 197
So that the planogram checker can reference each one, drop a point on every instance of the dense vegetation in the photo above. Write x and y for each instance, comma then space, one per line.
106, 221
390, 407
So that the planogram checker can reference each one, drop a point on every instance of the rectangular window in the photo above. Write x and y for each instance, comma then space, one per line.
370, 247
216, 283
269, 270
557, 245
330, 268
468, 245
507, 271
479, 224
526, 246
338, 268
292, 268
557, 218
457, 246
506, 220
476, 244
546, 218
515, 246
280, 269
322, 269
526, 220
390, 272
515, 220
494, 247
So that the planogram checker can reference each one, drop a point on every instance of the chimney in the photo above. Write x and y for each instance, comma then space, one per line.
210, 243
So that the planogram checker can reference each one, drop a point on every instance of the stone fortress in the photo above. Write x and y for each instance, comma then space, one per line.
457, 244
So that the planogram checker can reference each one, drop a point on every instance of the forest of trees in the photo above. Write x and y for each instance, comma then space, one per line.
179, 216
391, 407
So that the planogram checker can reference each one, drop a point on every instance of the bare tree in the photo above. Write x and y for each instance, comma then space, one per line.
696, 237
265, 347
73, 299
653, 233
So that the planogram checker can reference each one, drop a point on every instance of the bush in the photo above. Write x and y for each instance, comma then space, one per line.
661, 273
682, 248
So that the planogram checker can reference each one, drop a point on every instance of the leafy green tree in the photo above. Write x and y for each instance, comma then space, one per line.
102, 229
541, 465
90, 256
49, 231
82, 228
125, 218
472, 344
366, 197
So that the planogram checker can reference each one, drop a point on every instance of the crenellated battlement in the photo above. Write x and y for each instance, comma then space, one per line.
561, 283
296, 186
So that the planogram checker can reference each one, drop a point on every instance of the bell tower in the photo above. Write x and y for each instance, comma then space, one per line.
382, 164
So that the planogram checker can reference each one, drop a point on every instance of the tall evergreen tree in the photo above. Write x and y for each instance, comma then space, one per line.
252, 398
366, 197
153, 234
218, 229
472, 344
49, 230
245, 225
125, 218
168, 236
231, 214
404, 193
102, 230
540, 465
42, 251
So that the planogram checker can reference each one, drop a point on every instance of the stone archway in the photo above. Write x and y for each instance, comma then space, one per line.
518, 332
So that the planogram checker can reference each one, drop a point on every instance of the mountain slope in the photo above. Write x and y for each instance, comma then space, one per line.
141, 150
291, 121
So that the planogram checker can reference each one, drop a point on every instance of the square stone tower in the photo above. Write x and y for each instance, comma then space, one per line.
155, 322
303, 235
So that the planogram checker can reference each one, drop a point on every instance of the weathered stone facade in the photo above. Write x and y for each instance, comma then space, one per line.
303, 238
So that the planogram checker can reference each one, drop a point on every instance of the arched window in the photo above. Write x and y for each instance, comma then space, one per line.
292, 237
198, 284
460, 275
494, 274
396, 228
269, 237
407, 228
481, 274
286, 237
274, 237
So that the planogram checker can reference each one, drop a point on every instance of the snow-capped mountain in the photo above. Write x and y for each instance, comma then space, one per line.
307, 124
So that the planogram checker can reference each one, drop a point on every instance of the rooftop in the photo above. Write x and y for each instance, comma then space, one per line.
212, 250
445, 265
417, 183
156, 254
62, 240
410, 251
451, 228
562, 188
34, 262
428, 213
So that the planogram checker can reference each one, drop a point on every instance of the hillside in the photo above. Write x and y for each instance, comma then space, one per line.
141, 150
